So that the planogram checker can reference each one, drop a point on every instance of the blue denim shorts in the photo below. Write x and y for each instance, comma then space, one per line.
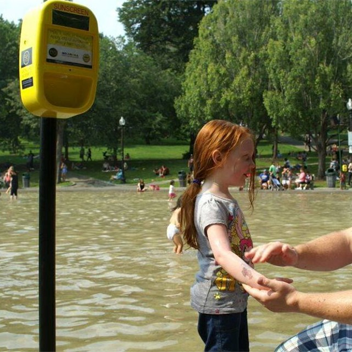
224, 332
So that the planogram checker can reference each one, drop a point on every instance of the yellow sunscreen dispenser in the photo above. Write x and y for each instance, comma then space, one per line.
59, 57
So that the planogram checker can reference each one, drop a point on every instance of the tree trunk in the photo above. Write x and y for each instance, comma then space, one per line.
321, 139
275, 144
66, 143
192, 138
114, 155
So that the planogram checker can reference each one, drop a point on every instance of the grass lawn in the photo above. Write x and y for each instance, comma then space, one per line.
146, 158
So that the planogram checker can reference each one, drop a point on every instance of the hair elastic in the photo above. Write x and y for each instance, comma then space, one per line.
197, 182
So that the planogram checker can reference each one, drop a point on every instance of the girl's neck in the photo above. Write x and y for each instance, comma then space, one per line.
212, 186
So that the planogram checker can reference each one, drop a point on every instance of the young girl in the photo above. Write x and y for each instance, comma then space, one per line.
212, 222
172, 193
141, 186
13, 183
342, 177
173, 230
63, 171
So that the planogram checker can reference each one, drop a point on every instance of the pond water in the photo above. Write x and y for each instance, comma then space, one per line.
120, 288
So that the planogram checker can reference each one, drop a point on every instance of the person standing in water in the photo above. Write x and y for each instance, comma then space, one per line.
173, 232
213, 223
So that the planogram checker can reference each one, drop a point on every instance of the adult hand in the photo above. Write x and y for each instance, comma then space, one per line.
280, 295
275, 253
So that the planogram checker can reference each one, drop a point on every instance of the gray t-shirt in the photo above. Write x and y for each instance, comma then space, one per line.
215, 291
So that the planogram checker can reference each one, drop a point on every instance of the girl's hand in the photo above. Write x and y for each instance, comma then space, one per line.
275, 253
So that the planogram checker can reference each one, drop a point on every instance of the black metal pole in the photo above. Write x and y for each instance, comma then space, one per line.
47, 214
349, 134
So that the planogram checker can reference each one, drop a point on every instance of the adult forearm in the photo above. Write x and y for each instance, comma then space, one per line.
336, 306
326, 253
282, 297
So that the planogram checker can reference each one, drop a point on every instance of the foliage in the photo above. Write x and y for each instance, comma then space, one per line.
226, 77
309, 65
279, 65
9, 132
164, 29
131, 84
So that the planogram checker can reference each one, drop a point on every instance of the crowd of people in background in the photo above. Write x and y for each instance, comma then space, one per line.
298, 176
287, 176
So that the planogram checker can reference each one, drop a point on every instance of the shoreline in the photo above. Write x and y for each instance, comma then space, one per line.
129, 188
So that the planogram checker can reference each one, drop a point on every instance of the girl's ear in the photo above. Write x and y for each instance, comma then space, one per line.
217, 157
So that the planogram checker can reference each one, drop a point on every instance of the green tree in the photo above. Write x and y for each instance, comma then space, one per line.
309, 65
226, 76
164, 29
9, 120
133, 85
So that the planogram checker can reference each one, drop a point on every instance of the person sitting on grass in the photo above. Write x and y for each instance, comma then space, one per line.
264, 179
162, 171
301, 180
118, 176
106, 166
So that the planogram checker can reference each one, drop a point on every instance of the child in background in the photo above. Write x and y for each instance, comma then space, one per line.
342, 177
213, 223
173, 230
13, 183
172, 193
63, 172
141, 186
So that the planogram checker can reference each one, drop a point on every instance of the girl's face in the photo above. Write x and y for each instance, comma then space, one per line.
239, 164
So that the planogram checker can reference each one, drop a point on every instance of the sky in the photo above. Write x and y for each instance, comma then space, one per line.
104, 11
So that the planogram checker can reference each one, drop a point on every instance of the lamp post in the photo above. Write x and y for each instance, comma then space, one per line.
339, 138
349, 108
122, 123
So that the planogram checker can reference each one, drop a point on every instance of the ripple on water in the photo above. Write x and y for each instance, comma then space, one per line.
117, 345
10, 224
18, 342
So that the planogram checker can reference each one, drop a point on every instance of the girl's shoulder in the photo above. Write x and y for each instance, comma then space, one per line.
215, 196
213, 200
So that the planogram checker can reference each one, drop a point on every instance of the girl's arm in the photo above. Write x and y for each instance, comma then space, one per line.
232, 263
176, 217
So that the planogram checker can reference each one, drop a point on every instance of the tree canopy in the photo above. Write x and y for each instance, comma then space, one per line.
164, 29
278, 64
9, 34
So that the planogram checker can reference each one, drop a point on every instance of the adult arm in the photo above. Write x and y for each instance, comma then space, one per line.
283, 297
329, 252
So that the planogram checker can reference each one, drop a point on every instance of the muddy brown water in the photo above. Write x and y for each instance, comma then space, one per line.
120, 288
